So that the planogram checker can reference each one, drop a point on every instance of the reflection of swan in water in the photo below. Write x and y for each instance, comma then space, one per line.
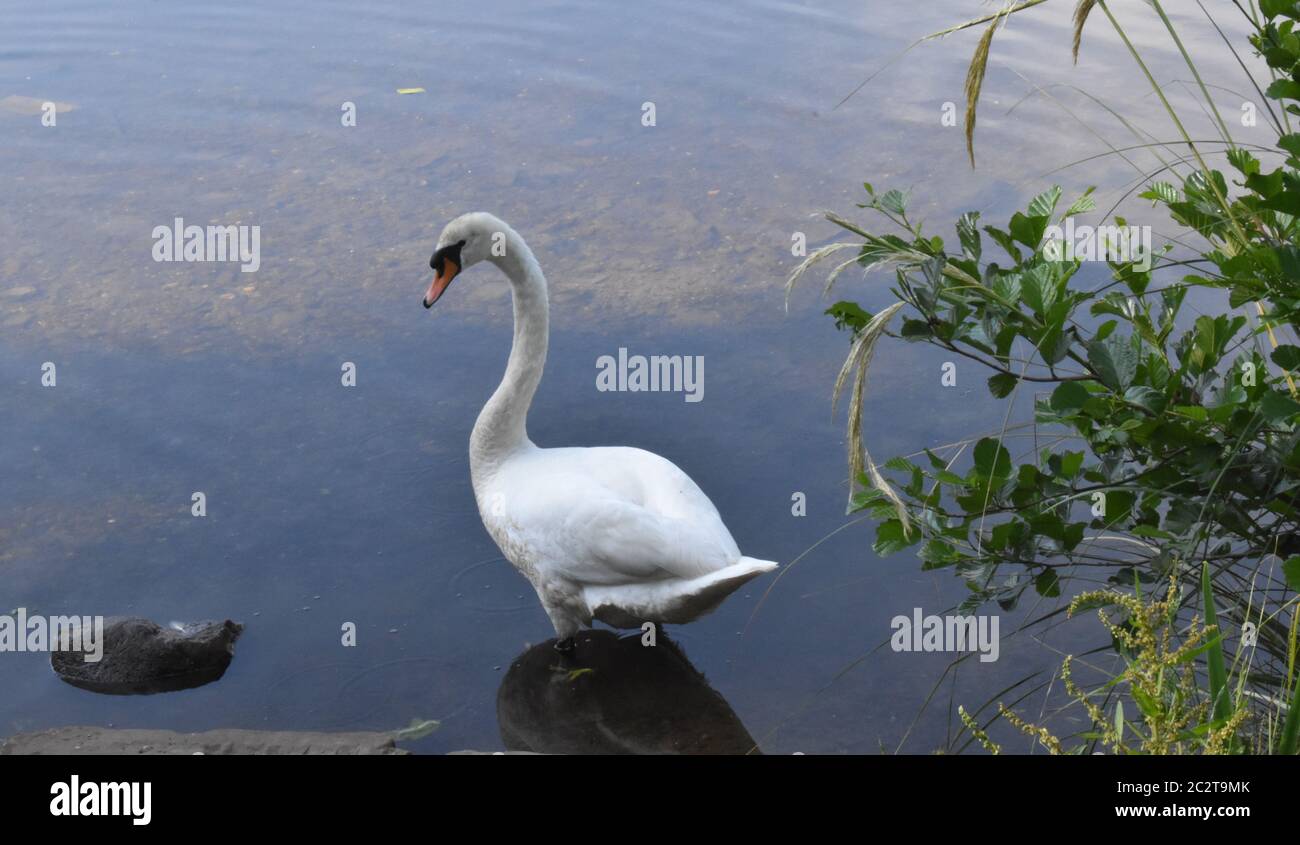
615, 696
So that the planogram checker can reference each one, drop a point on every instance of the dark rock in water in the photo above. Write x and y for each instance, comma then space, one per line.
141, 657
613, 695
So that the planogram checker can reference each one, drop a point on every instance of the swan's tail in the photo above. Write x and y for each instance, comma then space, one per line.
674, 601
758, 566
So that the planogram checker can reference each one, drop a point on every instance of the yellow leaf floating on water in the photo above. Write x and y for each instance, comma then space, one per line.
418, 729
410, 90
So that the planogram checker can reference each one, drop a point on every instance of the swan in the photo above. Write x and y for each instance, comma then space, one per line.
616, 533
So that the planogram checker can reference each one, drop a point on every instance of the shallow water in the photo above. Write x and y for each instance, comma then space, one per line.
328, 504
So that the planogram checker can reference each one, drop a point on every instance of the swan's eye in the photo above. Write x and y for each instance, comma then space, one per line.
447, 252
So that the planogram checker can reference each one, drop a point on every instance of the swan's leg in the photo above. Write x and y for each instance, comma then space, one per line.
565, 626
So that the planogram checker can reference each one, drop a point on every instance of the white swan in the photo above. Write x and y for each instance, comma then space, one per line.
614, 533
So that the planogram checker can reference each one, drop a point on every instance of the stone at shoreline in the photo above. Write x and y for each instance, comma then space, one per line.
91, 740
141, 657
20, 104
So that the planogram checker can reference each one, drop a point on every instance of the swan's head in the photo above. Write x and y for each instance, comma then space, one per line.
464, 242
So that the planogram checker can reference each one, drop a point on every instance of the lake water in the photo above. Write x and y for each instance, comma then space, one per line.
328, 504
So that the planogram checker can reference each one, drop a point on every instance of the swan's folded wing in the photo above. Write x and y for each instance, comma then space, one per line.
612, 541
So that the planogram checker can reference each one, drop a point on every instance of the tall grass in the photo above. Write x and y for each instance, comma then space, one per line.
1201, 462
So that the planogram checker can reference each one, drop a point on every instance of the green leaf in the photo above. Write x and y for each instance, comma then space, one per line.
949, 477
1119, 504
1291, 729
1115, 360
1291, 569
915, 330
1041, 286
1287, 356
890, 538
1146, 397
992, 460
1273, 8
1028, 230
937, 554
1005, 241
1082, 205
1228, 396
894, 201
969, 234
1283, 89
1161, 192
1007, 287
1290, 143
1006, 534
1071, 463
1072, 535
1193, 412
1048, 584
1002, 384
1069, 396
1044, 204
1243, 161
1210, 336
1222, 707
1266, 184
1278, 407
849, 315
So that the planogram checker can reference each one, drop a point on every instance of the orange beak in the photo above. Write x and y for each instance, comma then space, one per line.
441, 281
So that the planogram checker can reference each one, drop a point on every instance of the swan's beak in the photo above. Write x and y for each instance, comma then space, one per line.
445, 274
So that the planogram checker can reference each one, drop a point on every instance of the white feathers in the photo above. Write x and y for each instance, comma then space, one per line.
613, 533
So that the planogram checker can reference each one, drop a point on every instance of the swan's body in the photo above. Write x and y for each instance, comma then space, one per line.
613, 533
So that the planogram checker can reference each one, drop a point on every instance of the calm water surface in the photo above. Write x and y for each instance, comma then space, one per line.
329, 505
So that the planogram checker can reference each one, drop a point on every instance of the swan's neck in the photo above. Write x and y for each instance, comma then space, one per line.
501, 429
